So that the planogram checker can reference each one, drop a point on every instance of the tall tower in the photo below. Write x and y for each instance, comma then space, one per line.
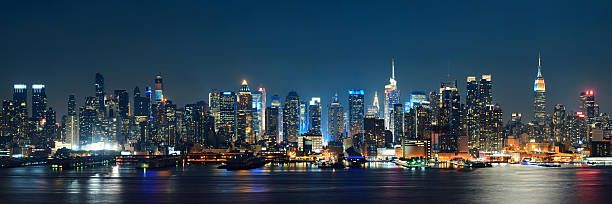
392, 96
314, 114
374, 109
587, 106
72, 123
259, 112
99, 85
226, 123
244, 120
159, 86
539, 103
335, 124
291, 117
39, 101
356, 112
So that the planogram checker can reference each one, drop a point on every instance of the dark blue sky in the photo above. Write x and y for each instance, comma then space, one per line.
315, 48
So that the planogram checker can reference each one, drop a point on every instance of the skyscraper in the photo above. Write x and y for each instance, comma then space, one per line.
397, 121
39, 101
214, 103
392, 96
374, 134
450, 113
19, 107
558, 124
227, 116
587, 106
159, 86
374, 109
141, 104
472, 111
303, 118
356, 112
100, 94
122, 99
72, 123
335, 123
291, 120
244, 122
314, 115
539, 103
259, 112
87, 119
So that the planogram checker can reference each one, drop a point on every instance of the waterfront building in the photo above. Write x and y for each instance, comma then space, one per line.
356, 112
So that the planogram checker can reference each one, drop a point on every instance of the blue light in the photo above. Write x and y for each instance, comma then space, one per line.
356, 92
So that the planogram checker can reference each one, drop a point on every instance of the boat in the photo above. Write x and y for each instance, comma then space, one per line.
479, 165
245, 162
336, 165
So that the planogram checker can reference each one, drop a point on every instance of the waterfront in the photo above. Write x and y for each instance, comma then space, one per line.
302, 182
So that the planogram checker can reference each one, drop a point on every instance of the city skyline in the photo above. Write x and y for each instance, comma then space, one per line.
361, 61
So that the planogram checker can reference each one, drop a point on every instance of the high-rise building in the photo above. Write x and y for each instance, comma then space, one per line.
227, 116
539, 103
374, 109
121, 98
19, 107
558, 124
303, 118
72, 124
374, 134
314, 115
577, 129
272, 124
87, 118
141, 104
39, 101
214, 102
587, 106
356, 112
335, 123
244, 119
159, 86
20, 96
472, 112
397, 120
450, 117
259, 112
100, 95
291, 120
392, 96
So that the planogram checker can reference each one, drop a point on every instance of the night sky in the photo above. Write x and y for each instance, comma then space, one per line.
314, 48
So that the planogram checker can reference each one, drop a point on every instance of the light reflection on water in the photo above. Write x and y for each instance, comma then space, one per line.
303, 182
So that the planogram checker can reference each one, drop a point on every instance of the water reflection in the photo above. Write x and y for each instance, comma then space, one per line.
303, 182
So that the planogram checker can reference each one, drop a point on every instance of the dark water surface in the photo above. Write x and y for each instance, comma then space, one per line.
302, 183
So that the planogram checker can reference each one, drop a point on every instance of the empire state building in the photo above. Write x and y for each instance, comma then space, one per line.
539, 103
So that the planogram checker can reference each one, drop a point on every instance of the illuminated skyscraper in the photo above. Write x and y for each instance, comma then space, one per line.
587, 106
19, 107
159, 86
314, 115
392, 96
335, 123
558, 124
539, 103
227, 116
72, 123
259, 112
374, 109
472, 111
87, 119
39, 101
303, 118
213, 101
291, 120
397, 120
141, 104
100, 95
244, 119
450, 113
356, 112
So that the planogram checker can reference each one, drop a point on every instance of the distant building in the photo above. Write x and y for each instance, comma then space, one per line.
539, 103
291, 120
314, 115
356, 112
392, 96
39, 101
335, 124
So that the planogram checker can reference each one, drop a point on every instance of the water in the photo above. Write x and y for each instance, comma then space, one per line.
302, 183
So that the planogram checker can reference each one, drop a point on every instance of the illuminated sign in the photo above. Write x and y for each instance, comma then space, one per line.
20, 86
356, 92
38, 86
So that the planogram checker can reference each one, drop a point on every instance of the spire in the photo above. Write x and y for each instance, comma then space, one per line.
393, 68
335, 98
539, 66
376, 104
